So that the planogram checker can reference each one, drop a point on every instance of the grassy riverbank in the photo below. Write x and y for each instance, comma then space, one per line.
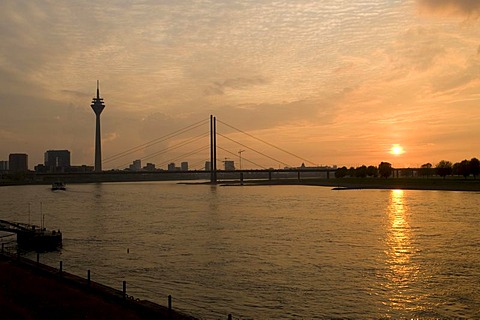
450, 184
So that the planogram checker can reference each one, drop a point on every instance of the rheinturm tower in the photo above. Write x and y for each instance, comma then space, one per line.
97, 106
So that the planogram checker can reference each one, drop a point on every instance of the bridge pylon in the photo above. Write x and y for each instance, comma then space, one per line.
213, 149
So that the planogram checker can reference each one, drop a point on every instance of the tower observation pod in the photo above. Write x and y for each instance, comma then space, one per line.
98, 106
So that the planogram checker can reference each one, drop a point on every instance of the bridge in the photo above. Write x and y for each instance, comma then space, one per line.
31, 236
213, 141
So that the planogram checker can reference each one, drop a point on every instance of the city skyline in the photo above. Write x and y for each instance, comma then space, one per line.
336, 82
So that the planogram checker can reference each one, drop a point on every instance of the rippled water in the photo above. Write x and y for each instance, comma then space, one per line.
268, 252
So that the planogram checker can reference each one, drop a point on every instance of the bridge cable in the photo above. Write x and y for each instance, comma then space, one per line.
170, 148
154, 141
268, 143
243, 159
199, 163
263, 154
198, 150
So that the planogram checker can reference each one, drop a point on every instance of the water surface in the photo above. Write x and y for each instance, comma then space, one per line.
268, 252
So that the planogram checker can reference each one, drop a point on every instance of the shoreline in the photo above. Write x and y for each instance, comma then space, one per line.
417, 183
432, 184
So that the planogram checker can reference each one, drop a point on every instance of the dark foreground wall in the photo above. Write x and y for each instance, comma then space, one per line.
34, 291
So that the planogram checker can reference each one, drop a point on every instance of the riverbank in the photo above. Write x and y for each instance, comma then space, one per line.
449, 184
35, 291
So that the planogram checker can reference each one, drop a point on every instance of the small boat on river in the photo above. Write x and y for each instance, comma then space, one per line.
58, 186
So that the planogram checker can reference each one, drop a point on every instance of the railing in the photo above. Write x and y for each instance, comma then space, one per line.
13, 253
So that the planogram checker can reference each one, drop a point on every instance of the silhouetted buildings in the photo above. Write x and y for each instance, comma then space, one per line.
184, 166
18, 162
57, 161
98, 106
208, 165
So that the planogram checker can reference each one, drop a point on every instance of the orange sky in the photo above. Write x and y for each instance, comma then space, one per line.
335, 82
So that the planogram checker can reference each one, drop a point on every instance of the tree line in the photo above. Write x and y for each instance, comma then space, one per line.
444, 168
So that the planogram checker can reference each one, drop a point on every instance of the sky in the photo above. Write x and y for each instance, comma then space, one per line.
333, 82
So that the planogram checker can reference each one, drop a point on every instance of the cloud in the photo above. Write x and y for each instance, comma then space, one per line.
219, 88
418, 48
465, 8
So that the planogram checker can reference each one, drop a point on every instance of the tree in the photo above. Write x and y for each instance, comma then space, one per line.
456, 169
351, 172
372, 171
444, 168
474, 167
385, 169
426, 170
462, 168
361, 172
341, 172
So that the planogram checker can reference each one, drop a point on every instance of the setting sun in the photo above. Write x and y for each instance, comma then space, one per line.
397, 149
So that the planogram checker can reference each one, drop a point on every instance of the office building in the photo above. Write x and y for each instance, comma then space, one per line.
3, 165
229, 165
149, 167
18, 162
184, 166
57, 161
136, 165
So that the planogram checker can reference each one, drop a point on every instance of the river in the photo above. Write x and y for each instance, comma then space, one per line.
268, 252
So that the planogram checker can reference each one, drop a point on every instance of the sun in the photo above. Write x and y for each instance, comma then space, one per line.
397, 149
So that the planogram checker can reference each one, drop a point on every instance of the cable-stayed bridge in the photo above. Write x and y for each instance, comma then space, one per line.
205, 144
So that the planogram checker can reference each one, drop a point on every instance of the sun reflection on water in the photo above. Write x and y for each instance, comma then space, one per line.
402, 272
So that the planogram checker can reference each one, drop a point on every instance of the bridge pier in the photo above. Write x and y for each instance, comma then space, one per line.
241, 178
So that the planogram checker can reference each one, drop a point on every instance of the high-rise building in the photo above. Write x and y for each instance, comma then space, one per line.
208, 166
171, 166
136, 165
18, 162
149, 167
229, 165
184, 166
98, 106
3, 165
57, 160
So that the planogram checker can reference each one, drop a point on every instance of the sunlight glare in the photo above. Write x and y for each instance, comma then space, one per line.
397, 149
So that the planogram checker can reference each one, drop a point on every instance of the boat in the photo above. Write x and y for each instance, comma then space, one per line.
39, 239
58, 186
33, 237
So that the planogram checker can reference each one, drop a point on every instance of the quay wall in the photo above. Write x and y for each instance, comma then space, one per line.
32, 290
